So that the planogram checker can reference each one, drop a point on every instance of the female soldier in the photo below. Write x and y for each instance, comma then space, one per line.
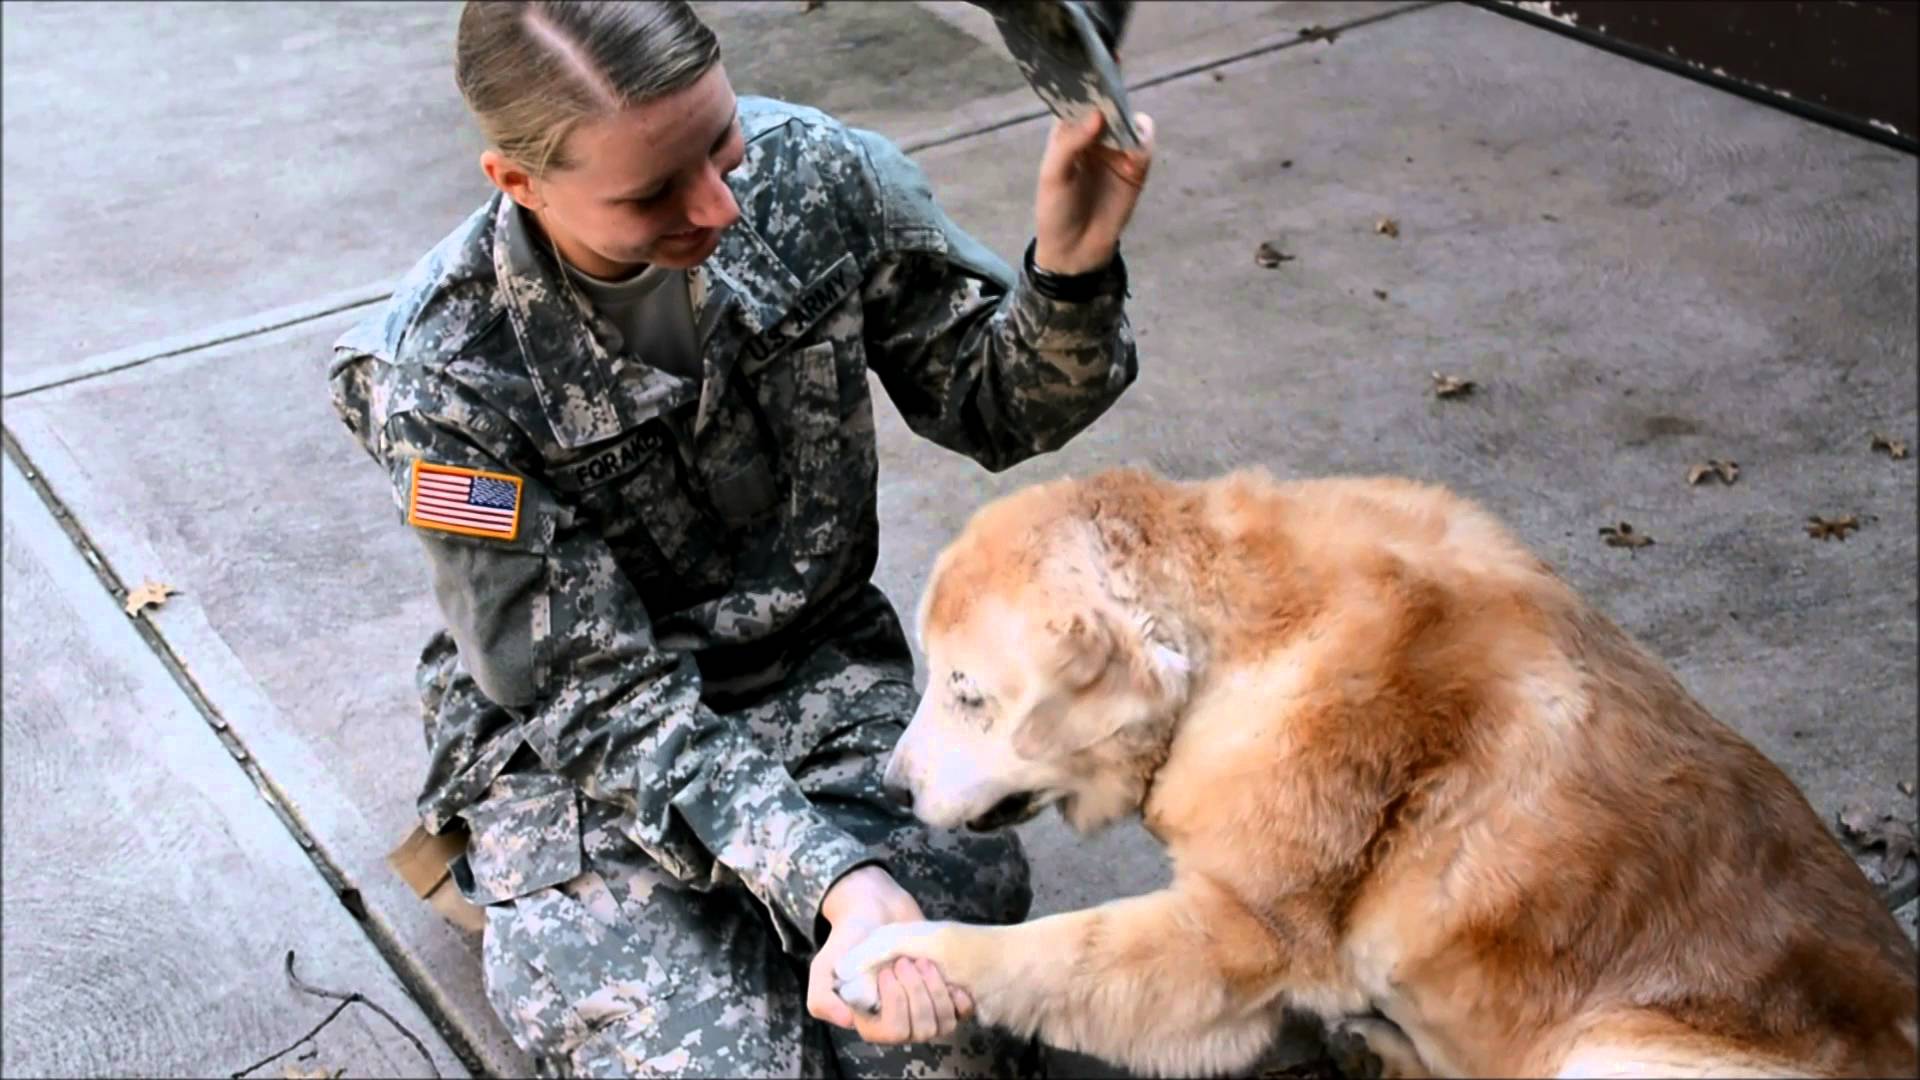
624, 408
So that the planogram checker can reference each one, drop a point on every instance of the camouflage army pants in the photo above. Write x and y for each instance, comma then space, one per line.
622, 972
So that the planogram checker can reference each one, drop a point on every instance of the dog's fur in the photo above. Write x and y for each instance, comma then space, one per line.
1402, 771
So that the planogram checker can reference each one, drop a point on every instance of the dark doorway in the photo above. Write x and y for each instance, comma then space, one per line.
1851, 65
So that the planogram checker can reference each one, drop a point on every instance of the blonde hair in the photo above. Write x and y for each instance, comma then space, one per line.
531, 71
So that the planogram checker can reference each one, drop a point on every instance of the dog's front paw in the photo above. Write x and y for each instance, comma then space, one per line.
854, 977
1352, 1055
861, 993
1373, 1048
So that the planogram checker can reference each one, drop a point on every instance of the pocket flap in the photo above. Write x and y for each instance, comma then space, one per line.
523, 840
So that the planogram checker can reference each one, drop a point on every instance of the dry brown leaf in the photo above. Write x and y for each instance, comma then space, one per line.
1219, 76
1906, 788
1867, 830
295, 1072
1623, 536
1379, 294
1855, 819
1895, 448
1446, 386
1386, 226
149, 593
1269, 256
1832, 528
1727, 471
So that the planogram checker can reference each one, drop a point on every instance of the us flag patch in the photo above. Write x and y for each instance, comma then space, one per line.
464, 501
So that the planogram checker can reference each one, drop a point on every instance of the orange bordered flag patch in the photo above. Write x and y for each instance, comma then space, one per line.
464, 501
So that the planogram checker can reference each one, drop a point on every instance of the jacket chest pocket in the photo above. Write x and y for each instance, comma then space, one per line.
802, 389
636, 493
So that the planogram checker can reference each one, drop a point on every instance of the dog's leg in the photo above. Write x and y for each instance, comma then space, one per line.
1178, 981
1366, 1049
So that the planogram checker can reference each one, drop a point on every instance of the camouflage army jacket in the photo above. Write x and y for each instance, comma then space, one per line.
612, 544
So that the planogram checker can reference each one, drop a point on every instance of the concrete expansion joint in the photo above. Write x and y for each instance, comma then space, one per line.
309, 311
1262, 48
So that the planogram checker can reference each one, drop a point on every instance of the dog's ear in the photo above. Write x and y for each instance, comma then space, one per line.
1160, 670
1088, 645
1118, 541
1054, 731
1082, 648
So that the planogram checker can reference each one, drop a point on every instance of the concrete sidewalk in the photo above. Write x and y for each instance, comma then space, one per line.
1640, 273
139, 860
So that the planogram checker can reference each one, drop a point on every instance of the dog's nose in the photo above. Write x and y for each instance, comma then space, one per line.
901, 794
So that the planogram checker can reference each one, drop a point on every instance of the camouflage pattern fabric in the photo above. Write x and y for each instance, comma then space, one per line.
681, 547
1066, 50
623, 972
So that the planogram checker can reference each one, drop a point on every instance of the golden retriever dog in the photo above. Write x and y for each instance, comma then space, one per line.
1408, 781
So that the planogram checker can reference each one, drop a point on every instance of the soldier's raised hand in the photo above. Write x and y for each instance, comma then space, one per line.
1087, 194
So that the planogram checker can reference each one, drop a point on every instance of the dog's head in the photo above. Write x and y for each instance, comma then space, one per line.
1049, 682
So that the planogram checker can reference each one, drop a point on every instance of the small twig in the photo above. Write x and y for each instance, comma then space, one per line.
344, 1000
348, 999
337, 1010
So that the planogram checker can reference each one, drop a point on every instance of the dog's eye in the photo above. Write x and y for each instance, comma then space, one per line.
963, 692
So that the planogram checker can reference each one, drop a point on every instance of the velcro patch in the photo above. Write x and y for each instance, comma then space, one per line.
464, 501
616, 462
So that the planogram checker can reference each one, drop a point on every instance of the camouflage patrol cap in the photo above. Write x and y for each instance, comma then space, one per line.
1065, 49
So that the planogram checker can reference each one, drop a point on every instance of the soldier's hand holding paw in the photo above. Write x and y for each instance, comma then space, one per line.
915, 1003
